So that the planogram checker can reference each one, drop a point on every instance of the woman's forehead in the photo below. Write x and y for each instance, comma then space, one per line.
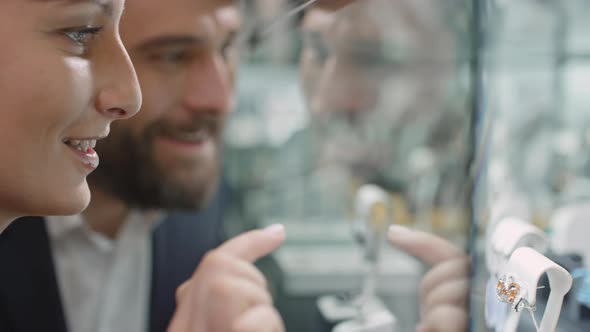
108, 7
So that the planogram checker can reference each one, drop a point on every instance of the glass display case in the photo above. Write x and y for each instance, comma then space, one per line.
351, 116
436, 115
533, 152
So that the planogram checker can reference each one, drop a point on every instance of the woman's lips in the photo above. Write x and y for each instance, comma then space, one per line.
89, 157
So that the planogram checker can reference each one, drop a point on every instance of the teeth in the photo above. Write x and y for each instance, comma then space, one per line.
82, 145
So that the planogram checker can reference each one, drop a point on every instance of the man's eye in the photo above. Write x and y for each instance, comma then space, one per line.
82, 35
172, 57
175, 57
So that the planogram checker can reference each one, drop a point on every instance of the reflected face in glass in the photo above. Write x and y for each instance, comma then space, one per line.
374, 66
64, 76
351, 54
184, 54
334, 65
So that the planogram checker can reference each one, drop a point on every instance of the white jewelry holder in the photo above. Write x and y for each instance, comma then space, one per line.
377, 319
366, 198
570, 228
510, 234
373, 217
527, 266
365, 313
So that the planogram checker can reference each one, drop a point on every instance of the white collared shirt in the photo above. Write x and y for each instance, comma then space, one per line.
104, 283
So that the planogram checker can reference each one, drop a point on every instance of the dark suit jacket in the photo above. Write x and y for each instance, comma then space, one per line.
29, 296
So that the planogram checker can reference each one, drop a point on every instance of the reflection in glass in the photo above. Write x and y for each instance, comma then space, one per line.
339, 97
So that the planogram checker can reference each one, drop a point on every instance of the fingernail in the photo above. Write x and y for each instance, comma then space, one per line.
398, 231
276, 229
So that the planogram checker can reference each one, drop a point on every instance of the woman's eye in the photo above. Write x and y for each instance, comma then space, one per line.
82, 36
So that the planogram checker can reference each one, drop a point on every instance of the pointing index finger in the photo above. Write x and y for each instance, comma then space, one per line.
255, 244
428, 247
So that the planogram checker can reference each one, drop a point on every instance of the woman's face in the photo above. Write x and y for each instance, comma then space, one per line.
64, 77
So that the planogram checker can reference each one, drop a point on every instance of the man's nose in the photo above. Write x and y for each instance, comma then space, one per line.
208, 85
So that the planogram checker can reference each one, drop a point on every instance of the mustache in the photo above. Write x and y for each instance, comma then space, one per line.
212, 123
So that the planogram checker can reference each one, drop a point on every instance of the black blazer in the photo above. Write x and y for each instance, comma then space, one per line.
29, 296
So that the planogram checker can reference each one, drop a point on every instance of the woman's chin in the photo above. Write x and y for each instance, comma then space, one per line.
69, 203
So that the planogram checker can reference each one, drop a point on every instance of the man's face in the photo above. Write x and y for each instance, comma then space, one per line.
185, 60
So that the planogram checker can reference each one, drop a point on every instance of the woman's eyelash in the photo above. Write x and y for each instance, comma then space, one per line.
82, 35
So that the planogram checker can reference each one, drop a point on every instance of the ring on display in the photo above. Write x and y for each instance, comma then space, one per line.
510, 291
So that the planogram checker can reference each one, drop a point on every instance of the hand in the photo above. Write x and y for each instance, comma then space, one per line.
445, 287
227, 293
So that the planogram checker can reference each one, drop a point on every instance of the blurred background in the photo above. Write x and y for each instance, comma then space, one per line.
465, 113
333, 98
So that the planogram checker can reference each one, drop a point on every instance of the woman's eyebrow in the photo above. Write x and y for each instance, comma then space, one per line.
106, 5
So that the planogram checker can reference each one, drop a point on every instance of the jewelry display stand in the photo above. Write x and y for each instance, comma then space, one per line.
376, 321
526, 266
365, 312
509, 234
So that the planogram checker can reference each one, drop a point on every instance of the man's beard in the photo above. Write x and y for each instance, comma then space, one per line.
129, 170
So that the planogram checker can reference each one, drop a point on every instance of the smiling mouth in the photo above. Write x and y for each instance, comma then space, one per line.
81, 144
84, 150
